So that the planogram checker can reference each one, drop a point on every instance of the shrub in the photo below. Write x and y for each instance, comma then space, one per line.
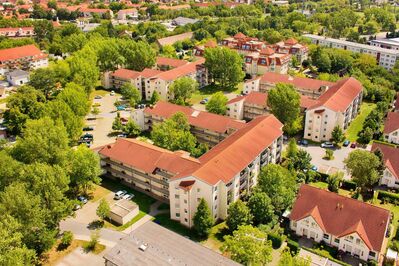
348, 185
294, 246
388, 197
66, 240
276, 239
91, 245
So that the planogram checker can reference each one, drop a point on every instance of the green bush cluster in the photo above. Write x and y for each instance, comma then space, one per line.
348, 185
277, 240
388, 197
293, 246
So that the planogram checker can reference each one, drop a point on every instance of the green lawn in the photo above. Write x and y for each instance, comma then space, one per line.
357, 124
164, 220
215, 239
207, 91
324, 185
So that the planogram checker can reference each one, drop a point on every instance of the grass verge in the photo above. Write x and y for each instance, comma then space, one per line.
357, 124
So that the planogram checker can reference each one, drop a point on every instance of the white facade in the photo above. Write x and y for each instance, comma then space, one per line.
392, 137
389, 179
386, 43
184, 202
351, 243
385, 57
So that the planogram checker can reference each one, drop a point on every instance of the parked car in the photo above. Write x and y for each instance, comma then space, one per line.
327, 144
89, 128
121, 108
128, 196
123, 135
346, 143
314, 168
204, 101
98, 97
118, 195
87, 136
303, 142
112, 93
82, 199
76, 207
353, 145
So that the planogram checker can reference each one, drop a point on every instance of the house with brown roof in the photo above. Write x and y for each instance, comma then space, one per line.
208, 128
347, 224
254, 104
390, 157
391, 128
221, 176
24, 57
338, 106
17, 32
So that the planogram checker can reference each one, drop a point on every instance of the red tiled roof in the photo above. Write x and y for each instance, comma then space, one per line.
210, 44
390, 157
147, 157
340, 216
236, 99
181, 71
187, 185
391, 123
307, 102
298, 82
16, 29
126, 74
267, 51
290, 41
240, 35
20, 52
233, 154
340, 95
149, 72
164, 61
127, 11
214, 122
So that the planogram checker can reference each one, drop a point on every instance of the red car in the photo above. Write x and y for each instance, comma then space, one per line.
353, 145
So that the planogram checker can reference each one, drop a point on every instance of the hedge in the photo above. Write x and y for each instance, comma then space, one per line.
277, 240
322, 254
348, 185
294, 246
388, 197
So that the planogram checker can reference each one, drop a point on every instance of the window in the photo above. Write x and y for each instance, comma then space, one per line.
185, 210
372, 254
216, 206
325, 236
177, 196
357, 241
177, 214
216, 197
336, 240
185, 201
198, 199
185, 219
216, 189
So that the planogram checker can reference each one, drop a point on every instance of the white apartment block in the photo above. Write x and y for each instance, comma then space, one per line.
385, 57
338, 106
392, 44
390, 157
220, 176
347, 224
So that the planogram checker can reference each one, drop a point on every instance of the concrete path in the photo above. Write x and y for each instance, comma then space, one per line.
81, 231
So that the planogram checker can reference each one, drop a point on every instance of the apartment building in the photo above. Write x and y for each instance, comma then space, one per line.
338, 106
158, 79
199, 50
385, 57
347, 224
208, 128
144, 166
24, 57
17, 32
254, 104
227, 171
220, 176
260, 57
128, 14
391, 128
390, 157
392, 44
312, 88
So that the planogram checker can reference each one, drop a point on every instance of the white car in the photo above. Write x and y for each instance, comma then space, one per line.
128, 196
112, 93
120, 194
327, 145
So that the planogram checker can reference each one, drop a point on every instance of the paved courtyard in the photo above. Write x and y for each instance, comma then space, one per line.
80, 257
329, 166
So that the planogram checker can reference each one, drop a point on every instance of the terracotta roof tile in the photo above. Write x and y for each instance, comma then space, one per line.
340, 95
20, 52
298, 82
391, 123
147, 157
390, 157
126, 73
149, 72
180, 71
341, 215
164, 61
214, 122
233, 154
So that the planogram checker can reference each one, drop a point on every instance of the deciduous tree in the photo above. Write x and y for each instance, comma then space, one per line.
238, 214
103, 209
261, 208
217, 103
203, 220
182, 89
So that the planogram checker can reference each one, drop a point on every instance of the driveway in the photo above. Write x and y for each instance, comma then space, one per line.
103, 124
329, 166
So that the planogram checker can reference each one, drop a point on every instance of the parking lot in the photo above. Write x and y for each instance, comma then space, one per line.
329, 166
103, 122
